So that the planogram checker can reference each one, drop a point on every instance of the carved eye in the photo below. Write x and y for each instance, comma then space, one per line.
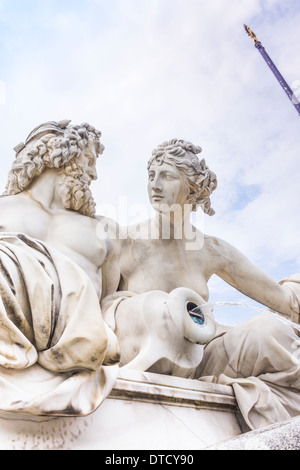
170, 177
195, 313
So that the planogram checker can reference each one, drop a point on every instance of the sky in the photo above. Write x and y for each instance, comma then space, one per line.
144, 72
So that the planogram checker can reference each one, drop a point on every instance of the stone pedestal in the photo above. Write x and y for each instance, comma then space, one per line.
284, 435
144, 411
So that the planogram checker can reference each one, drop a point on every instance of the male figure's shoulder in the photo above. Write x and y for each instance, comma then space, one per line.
109, 230
22, 214
109, 227
16, 200
13, 206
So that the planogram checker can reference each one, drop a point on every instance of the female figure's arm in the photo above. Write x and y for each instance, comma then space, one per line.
236, 269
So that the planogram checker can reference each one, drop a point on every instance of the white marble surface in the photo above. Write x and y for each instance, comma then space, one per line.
55, 268
284, 435
166, 413
48, 214
156, 331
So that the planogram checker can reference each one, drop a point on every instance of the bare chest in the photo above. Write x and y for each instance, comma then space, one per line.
163, 266
72, 234
77, 237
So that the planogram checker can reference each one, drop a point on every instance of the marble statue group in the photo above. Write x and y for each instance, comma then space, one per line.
79, 300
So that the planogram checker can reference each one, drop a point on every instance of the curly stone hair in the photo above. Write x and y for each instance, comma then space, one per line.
50, 145
200, 180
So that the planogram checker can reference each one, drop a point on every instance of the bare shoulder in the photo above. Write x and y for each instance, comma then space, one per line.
110, 230
12, 207
111, 227
17, 200
5, 201
219, 249
140, 229
19, 213
140, 232
4, 209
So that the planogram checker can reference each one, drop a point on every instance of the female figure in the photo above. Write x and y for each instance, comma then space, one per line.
258, 357
179, 255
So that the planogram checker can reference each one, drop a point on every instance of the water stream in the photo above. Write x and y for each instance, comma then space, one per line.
261, 310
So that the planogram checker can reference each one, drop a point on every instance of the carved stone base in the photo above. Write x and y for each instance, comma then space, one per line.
145, 411
284, 435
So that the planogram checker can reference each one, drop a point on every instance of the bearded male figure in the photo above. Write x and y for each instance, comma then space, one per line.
54, 270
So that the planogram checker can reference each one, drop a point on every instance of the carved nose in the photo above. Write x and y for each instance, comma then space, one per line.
92, 173
156, 184
157, 187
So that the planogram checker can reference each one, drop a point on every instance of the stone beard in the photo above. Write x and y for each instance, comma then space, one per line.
74, 189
